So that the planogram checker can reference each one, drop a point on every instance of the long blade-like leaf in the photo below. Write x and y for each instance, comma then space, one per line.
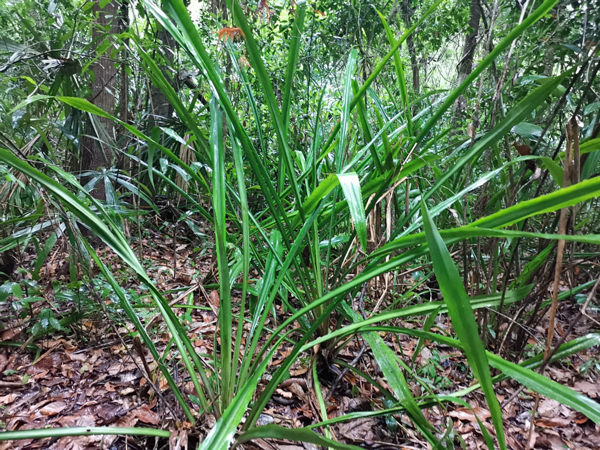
463, 319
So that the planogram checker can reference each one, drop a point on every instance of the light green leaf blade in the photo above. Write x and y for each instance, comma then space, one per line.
351, 188
555, 170
293, 434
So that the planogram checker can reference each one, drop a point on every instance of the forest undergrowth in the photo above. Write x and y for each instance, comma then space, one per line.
90, 368
299, 224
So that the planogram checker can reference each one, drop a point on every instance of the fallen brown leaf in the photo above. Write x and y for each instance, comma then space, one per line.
467, 414
51, 409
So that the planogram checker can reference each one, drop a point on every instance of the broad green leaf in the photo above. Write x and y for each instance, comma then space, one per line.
10, 288
555, 170
346, 108
322, 190
527, 130
351, 187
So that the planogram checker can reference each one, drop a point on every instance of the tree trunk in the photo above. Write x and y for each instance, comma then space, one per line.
161, 108
98, 140
124, 162
549, 61
124, 89
408, 12
465, 66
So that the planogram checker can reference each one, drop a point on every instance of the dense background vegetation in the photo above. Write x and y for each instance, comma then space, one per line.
344, 178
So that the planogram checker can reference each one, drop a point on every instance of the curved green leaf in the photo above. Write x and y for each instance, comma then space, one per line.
463, 319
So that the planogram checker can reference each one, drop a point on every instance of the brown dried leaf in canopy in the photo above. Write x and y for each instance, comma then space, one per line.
264, 10
243, 62
231, 33
471, 132
523, 150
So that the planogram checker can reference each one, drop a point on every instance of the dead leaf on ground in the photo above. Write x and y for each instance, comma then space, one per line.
213, 301
587, 388
53, 408
8, 399
356, 430
146, 415
553, 422
467, 414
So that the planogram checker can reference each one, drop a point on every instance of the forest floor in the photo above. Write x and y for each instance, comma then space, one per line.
92, 374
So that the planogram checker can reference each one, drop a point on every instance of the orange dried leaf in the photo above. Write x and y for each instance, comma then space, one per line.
231, 33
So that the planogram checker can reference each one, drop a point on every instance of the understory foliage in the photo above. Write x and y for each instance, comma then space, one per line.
332, 148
